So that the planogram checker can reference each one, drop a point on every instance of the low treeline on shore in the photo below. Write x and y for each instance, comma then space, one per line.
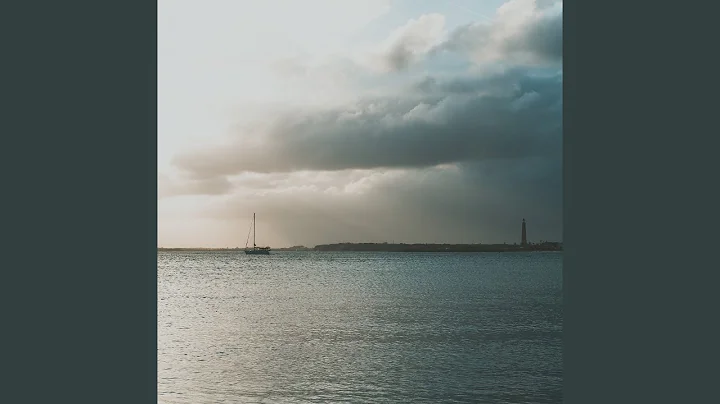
438, 247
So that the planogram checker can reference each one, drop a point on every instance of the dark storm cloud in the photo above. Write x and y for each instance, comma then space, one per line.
513, 115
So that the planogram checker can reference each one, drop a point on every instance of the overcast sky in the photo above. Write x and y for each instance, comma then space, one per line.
353, 121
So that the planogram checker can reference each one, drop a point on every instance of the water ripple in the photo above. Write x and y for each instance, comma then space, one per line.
302, 327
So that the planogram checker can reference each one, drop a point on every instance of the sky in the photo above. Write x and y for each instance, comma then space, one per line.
415, 121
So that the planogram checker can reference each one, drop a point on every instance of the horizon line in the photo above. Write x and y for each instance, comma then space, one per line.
361, 242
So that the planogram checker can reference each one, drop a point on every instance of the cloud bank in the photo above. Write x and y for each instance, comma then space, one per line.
440, 157
510, 116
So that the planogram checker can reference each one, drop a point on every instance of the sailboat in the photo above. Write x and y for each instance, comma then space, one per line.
255, 249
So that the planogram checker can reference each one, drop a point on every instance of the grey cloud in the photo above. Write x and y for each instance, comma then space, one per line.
399, 57
512, 115
527, 32
480, 202
535, 38
543, 40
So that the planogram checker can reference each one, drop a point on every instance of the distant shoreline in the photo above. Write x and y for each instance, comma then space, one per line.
386, 247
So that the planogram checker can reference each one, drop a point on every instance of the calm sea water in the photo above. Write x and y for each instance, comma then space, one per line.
302, 327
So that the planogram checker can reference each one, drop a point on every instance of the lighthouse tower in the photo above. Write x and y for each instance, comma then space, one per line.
524, 234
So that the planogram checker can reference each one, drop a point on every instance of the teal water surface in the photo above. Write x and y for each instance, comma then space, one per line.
302, 327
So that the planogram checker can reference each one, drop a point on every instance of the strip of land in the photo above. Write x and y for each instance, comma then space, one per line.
391, 247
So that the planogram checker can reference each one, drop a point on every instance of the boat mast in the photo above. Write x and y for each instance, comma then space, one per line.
254, 245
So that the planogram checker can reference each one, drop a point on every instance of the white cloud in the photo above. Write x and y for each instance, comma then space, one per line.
407, 44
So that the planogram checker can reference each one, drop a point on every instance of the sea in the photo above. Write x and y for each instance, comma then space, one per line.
359, 327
